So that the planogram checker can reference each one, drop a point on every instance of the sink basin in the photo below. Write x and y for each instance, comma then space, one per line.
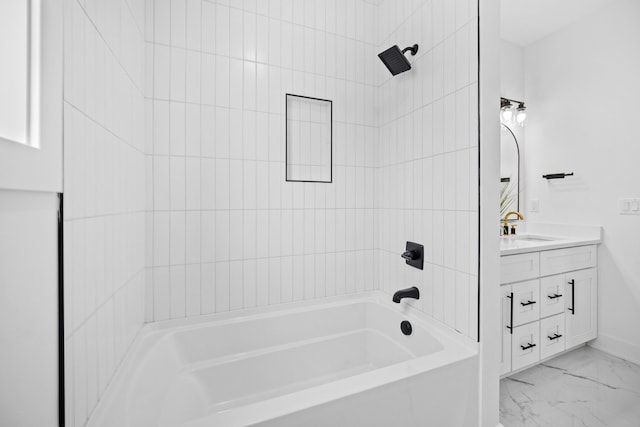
534, 238
547, 237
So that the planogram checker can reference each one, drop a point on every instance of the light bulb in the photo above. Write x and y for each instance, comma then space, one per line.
521, 114
507, 114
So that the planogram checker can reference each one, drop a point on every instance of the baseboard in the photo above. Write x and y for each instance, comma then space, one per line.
617, 347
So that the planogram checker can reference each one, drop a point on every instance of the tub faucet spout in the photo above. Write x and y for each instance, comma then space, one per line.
411, 292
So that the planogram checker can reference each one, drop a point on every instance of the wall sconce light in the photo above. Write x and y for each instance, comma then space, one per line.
521, 113
508, 111
505, 110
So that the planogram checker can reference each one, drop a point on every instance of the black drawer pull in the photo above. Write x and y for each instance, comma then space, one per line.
555, 337
554, 296
527, 347
524, 304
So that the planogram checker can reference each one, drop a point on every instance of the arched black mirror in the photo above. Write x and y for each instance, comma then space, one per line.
509, 171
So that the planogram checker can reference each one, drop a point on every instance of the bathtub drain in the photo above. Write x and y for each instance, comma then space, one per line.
405, 327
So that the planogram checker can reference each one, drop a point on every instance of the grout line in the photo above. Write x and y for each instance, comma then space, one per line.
116, 366
150, 283
171, 149
280, 67
184, 190
135, 21
104, 303
455, 176
102, 126
270, 113
200, 175
109, 47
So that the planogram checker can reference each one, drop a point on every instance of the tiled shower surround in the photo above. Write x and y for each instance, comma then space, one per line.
427, 168
199, 129
226, 231
104, 194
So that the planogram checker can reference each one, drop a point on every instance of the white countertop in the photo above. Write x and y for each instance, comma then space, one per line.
542, 237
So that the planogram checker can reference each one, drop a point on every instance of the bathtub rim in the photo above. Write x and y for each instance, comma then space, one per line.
456, 347
241, 315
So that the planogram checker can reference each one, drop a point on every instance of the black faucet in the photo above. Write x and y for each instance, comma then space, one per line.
411, 292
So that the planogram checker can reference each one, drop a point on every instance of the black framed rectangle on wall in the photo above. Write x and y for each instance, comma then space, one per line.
309, 139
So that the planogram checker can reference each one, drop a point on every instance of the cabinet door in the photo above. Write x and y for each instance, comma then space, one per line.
526, 307
505, 331
525, 345
581, 301
552, 295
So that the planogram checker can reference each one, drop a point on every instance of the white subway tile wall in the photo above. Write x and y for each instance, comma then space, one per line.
104, 187
227, 231
427, 176
405, 154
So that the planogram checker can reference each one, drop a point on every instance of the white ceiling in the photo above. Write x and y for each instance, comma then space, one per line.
526, 21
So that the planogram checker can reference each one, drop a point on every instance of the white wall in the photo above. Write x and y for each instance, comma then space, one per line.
582, 90
490, 91
14, 86
37, 165
28, 225
428, 175
104, 194
28, 308
224, 229
511, 71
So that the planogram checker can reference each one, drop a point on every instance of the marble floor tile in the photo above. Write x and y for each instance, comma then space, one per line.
585, 387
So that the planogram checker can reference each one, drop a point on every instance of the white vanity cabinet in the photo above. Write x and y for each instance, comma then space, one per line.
549, 304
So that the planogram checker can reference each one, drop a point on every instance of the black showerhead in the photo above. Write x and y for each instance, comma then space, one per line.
394, 59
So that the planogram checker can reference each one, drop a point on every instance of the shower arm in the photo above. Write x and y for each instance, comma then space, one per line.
413, 49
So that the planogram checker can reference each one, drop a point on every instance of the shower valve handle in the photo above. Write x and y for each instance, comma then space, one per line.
409, 255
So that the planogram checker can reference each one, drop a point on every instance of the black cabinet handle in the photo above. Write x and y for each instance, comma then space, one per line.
510, 327
554, 296
572, 282
527, 347
524, 304
554, 337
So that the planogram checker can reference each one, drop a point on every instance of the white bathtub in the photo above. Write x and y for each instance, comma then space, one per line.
337, 362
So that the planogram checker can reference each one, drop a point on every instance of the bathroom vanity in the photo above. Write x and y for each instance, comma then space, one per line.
548, 288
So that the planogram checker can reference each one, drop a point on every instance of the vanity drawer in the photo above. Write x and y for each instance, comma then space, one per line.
552, 295
515, 268
569, 259
526, 302
552, 335
525, 347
